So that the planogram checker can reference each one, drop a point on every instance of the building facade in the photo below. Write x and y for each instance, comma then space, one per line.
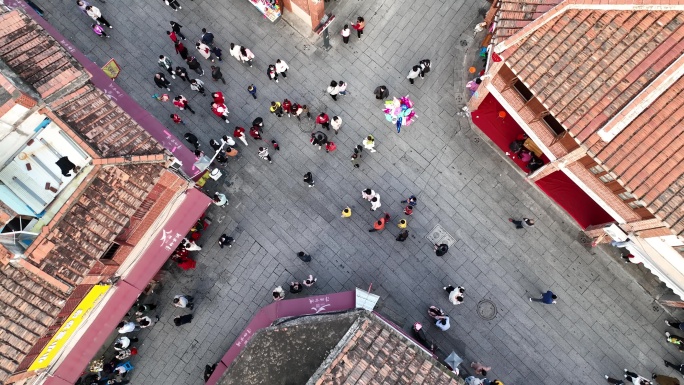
596, 87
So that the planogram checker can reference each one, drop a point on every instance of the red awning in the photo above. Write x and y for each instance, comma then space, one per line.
573, 200
132, 283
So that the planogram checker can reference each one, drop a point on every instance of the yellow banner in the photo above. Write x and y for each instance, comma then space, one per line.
69, 327
111, 69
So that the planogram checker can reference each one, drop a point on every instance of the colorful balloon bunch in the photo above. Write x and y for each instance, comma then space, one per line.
399, 112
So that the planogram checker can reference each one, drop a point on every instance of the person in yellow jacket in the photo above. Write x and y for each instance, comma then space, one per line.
402, 224
346, 213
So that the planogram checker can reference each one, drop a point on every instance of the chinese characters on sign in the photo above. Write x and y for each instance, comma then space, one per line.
169, 240
319, 303
244, 337
111, 69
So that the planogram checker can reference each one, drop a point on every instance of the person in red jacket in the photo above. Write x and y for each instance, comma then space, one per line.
218, 97
359, 26
379, 225
181, 102
254, 133
221, 111
177, 119
239, 133
323, 120
287, 107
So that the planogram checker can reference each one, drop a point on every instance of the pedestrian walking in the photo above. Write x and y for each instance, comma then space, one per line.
330, 146
319, 138
614, 381
146, 308
345, 33
235, 51
413, 74
272, 73
127, 327
204, 50
412, 201
402, 224
547, 298
379, 225
82, 5
346, 212
443, 323
278, 294
381, 92
246, 56
287, 107
635, 378
177, 119
424, 67
216, 74
218, 97
231, 151
675, 324
281, 67
441, 249
369, 143
304, 256
359, 26
124, 342
176, 28
336, 124
174, 4
227, 140
255, 133
258, 122
479, 368
408, 210
295, 287
239, 133
181, 320
99, 31
323, 120
355, 159
182, 74
523, 223
252, 90
181, 50
679, 368
195, 65
225, 240
221, 111
309, 281
218, 53
368, 194
147, 321
182, 103
675, 340
308, 178
220, 200
184, 301
263, 154
207, 37
375, 202
197, 85
276, 109
342, 88
333, 90
402, 236
456, 294
173, 36
192, 139
664, 380
165, 62
303, 110
161, 81
95, 14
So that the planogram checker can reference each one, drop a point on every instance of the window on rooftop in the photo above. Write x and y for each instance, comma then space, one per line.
605, 178
523, 90
553, 124
625, 196
597, 169
109, 254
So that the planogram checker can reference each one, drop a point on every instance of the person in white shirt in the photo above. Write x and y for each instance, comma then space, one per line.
183, 301
336, 123
281, 67
369, 143
413, 74
455, 294
96, 15
443, 323
375, 202
342, 88
246, 56
123, 342
367, 194
235, 51
333, 90
204, 50
345, 34
127, 327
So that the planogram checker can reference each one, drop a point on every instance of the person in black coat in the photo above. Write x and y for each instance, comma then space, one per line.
182, 319
161, 81
424, 67
195, 65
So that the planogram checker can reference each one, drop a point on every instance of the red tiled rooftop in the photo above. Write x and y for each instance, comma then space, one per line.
513, 15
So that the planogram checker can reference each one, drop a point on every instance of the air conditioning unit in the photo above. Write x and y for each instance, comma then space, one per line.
616, 233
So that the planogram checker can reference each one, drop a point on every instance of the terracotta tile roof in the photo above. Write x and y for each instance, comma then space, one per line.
648, 156
104, 125
40, 61
96, 216
29, 306
588, 66
513, 15
36, 57
378, 354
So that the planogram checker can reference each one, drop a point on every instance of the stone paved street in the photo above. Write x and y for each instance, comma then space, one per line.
603, 322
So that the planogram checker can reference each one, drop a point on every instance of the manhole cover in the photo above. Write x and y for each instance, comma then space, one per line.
438, 235
486, 309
